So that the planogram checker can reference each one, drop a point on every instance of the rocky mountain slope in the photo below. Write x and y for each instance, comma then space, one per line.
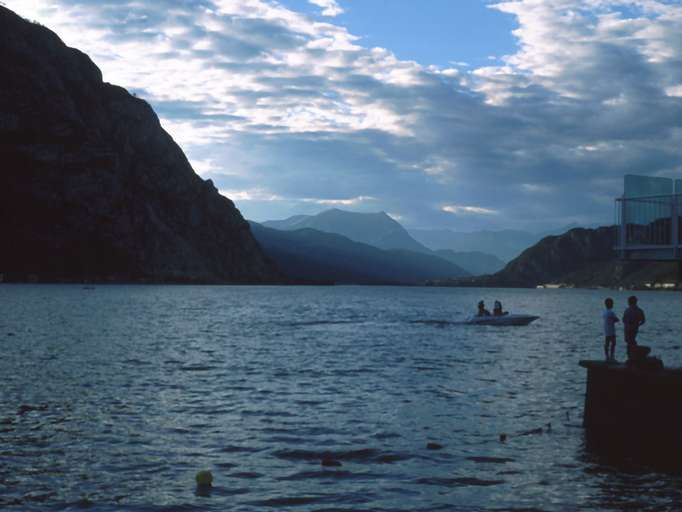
556, 256
92, 187
580, 257
316, 256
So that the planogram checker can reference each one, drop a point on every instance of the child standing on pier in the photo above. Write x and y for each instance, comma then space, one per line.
610, 320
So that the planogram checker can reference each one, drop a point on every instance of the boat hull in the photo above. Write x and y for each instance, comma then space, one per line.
502, 320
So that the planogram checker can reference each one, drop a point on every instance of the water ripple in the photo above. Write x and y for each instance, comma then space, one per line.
320, 398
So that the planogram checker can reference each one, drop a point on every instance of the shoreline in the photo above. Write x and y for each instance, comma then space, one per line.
301, 283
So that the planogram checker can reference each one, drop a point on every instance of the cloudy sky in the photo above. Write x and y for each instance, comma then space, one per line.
464, 114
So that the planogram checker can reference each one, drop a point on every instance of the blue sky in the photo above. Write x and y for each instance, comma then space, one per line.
439, 32
453, 114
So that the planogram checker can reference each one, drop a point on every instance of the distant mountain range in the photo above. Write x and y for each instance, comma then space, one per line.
381, 231
308, 255
505, 245
577, 257
475, 262
580, 257
376, 229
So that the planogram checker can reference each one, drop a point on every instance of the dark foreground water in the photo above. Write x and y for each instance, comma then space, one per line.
113, 398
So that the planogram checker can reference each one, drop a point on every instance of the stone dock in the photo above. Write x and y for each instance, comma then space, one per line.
634, 409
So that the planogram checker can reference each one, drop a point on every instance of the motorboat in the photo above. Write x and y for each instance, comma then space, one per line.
507, 319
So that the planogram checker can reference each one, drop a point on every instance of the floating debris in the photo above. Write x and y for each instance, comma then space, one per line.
434, 446
23, 409
458, 482
490, 460
531, 432
204, 479
328, 462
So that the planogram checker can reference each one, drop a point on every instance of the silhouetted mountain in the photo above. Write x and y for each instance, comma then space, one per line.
377, 229
383, 232
555, 257
565, 229
91, 186
311, 255
581, 257
506, 244
287, 224
476, 263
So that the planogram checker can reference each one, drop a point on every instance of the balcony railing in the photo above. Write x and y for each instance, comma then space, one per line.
649, 227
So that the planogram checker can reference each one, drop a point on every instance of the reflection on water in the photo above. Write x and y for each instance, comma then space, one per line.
329, 398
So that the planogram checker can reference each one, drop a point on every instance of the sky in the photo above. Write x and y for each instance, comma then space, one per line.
459, 114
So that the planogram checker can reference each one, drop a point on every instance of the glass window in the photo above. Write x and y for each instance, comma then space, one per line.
646, 186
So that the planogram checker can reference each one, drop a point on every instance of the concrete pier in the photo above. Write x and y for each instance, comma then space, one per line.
634, 409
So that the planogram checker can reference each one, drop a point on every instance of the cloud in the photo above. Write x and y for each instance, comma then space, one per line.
262, 194
284, 111
674, 90
329, 7
339, 202
456, 209
251, 195
536, 188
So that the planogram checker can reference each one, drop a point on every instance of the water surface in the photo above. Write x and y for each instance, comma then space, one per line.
113, 398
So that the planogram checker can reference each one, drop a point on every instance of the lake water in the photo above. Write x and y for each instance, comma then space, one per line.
113, 398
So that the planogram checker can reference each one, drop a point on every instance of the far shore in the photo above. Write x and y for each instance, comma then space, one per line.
112, 281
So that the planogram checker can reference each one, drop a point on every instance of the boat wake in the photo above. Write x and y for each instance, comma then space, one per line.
438, 323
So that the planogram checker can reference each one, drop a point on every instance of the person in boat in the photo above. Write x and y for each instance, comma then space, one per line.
497, 309
610, 320
481, 309
633, 318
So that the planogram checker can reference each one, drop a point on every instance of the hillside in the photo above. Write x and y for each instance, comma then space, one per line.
555, 257
92, 187
316, 256
580, 257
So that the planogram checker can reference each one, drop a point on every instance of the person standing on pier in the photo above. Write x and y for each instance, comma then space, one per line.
610, 320
632, 319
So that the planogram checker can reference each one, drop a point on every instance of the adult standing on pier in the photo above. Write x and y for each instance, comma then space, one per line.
632, 319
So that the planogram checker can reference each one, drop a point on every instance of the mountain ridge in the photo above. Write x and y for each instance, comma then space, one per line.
93, 188
308, 255
382, 231
378, 229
